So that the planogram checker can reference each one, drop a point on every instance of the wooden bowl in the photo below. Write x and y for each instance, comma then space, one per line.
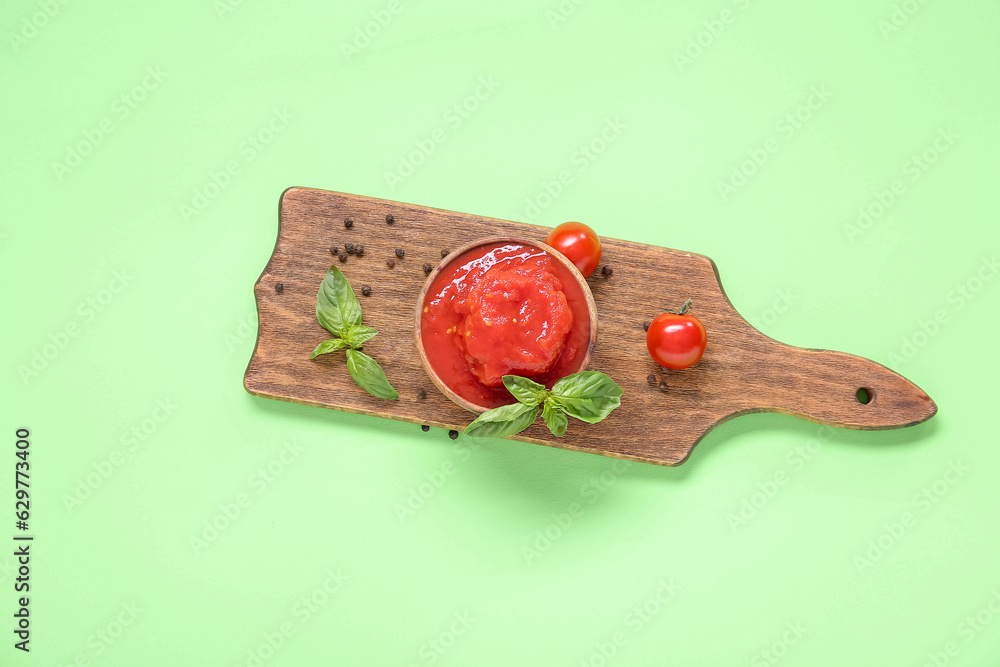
584, 358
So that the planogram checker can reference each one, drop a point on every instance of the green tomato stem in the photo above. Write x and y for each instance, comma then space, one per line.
680, 311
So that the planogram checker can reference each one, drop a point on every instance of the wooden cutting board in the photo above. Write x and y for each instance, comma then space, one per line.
743, 371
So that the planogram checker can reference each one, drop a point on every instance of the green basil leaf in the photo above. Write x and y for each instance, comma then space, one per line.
358, 334
369, 375
337, 308
524, 390
330, 345
503, 421
554, 418
589, 396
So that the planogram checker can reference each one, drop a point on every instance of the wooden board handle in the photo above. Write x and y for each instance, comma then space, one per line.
828, 387
823, 386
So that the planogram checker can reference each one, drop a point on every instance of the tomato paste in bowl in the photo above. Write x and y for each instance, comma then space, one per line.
503, 306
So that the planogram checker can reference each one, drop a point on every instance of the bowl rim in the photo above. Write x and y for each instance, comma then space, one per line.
446, 262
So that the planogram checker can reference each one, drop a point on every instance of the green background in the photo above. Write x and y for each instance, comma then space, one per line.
129, 320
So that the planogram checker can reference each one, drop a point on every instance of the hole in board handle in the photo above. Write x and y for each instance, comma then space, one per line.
864, 395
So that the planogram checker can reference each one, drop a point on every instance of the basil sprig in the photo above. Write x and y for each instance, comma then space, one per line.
589, 396
339, 311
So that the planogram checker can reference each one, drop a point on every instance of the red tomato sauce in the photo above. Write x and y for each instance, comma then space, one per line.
499, 309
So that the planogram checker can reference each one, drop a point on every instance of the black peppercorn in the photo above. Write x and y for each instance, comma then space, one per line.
427, 269
453, 434
390, 262
348, 223
645, 326
425, 428
663, 386
606, 271
278, 287
400, 253
389, 219
444, 253
342, 256
421, 394
349, 248
366, 290
651, 379
334, 250
359, 250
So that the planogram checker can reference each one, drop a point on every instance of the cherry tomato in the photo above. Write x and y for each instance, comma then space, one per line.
676, 340
579, 243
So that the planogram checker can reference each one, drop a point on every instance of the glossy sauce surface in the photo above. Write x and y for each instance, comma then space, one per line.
503, 308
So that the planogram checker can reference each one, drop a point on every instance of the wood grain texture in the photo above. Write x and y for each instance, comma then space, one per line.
743, 371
